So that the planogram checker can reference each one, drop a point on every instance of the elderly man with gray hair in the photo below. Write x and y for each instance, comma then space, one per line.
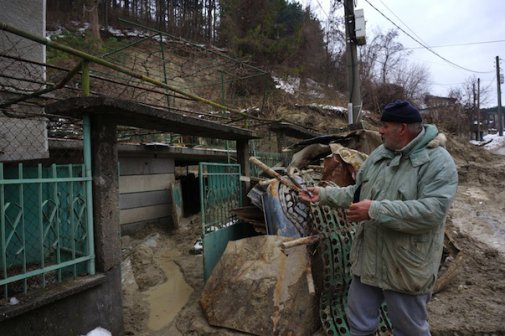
401, 198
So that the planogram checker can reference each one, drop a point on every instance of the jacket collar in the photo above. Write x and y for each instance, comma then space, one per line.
415, 150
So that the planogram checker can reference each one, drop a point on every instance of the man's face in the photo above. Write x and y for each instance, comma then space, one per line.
390, 134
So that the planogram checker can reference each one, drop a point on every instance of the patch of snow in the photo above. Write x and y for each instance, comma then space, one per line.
99, 331
330, 108
163, 39
83, 29
54, 33
497, 141
291, 85
197, 247
492, 142
115, 32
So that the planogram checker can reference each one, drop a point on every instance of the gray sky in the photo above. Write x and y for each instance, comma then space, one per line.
461, 28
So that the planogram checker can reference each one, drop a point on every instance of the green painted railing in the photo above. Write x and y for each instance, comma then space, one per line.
220, 192
271, 159
45, 232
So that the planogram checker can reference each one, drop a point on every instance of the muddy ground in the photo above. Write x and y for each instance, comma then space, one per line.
162, 280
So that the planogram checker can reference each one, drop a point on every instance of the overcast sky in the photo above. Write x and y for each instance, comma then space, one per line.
462, 27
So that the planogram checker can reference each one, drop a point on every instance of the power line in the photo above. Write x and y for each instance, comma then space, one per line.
424, 45
324, 12
445, 84
459, 44
396, 16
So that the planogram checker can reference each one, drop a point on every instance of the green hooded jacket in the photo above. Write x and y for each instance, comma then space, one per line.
411, 190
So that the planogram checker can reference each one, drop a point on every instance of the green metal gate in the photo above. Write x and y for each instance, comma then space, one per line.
220, 192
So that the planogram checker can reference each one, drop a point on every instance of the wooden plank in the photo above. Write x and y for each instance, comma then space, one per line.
144, 214
139, 183
143, 199
145, 166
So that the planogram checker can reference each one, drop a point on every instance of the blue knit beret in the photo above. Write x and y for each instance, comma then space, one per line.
401, 111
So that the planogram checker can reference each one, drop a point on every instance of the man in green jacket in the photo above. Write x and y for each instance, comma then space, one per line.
401, 198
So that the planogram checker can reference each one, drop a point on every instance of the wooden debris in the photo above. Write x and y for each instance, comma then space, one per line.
272, 173
300, 241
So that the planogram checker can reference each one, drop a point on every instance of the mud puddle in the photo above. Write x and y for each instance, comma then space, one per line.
168, 298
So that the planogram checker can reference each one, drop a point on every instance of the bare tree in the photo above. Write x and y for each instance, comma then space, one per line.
468, 91
90, 9
414, 79
368, 55
382, 56
386, 74
390, 54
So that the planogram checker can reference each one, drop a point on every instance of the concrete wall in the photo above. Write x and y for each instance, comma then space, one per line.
75, 310
144, 191
22, 138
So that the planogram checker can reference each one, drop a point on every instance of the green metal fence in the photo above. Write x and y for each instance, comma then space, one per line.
271, 159
220, 192
44, 231
46, 228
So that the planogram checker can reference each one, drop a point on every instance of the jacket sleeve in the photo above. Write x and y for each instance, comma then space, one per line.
436, 190
341, 197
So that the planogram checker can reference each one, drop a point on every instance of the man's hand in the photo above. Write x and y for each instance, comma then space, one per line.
359, 211
311, 194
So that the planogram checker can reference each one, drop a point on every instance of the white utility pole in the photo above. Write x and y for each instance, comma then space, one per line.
499, 82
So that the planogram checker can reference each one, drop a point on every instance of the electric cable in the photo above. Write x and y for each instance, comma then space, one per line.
424, 45
399, 19
459, 44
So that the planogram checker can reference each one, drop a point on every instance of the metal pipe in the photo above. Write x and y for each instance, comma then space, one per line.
86, 139
3, 249
22, 219
97, 60
41, 224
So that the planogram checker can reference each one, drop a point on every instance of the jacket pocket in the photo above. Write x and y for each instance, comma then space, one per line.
414, 249
408, 264
407, 193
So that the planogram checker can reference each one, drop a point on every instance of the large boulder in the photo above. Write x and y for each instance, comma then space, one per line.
256, 288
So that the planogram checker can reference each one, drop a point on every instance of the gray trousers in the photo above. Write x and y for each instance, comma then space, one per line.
407, 313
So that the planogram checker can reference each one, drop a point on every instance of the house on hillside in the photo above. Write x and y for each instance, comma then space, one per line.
448, 113
439, 108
